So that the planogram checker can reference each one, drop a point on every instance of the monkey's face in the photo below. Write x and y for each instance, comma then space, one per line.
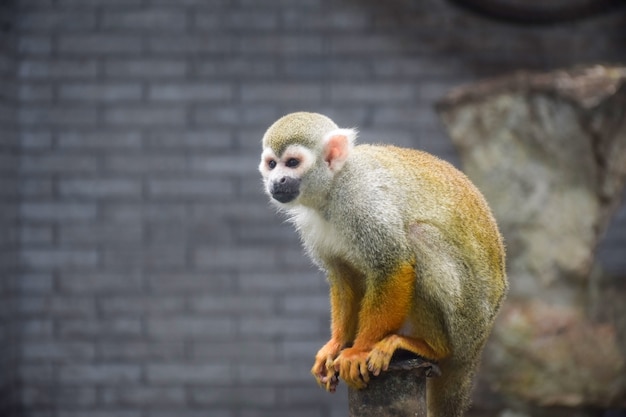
283, 174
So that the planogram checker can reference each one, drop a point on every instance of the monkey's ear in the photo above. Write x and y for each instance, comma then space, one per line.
337, 146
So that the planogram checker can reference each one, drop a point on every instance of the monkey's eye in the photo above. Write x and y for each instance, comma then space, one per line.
292, 163
271, 164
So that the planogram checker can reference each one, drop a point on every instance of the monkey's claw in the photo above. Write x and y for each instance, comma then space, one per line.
352, 366
323, 369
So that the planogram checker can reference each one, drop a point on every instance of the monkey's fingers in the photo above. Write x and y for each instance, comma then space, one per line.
378, 361
352, 368
324, 373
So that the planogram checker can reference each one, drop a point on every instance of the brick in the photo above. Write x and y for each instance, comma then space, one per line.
189, 282
35, 328
35, 93
90, 4
123, 139
180, 188
276, 325
184, 45
190, 92
285, 92
108, 374
49, 21
145, 116
39, 69
38, 188
273, 373
241, 397
215, 412
42, 373
35, 140
148, 19
261, 44
188, 373
234, 351
59, 258
303, 4
8, 187
255, 282
35, 283
98, 413
56, 163
99, 188
58, 351
56, 306
57, 116
232, 305
253, 232
153, 397
338, 20
250, 115
48, 396
306, 305
100, 232
36, 234
34, 45
163, 233
303, 397
239, 258
99, 282
195, 3
88, 329
150, 211
58, 211
145, 68
145, 163
190, 327
301, 350
141, 305
110, 93
209, 138
379, 93
236, 165
237, 68
94, 44
132, 350
158, 256
237, 20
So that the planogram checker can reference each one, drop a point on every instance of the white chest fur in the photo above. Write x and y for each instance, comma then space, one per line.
320, 238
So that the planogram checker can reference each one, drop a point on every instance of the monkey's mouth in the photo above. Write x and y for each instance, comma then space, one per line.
285, 190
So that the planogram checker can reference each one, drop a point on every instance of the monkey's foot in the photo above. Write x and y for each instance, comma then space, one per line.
323, 369
352, 367
380, 356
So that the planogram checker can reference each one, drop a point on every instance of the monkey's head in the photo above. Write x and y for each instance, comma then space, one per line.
302, 152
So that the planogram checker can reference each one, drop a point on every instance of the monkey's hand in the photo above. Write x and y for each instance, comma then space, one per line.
352, 367
380, 356
323, 369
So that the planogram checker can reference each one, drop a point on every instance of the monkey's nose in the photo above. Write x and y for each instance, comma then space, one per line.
285, 189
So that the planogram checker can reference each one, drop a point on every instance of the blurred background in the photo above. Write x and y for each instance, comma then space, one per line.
143, 273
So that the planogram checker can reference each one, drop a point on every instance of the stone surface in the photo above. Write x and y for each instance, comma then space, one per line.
398, 392
548, 150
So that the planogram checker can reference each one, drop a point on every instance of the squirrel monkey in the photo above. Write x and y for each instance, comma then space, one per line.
413, 255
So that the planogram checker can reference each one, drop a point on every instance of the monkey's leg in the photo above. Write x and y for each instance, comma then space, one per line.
384, 308
344, 310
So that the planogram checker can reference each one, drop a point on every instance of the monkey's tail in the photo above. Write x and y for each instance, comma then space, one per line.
448, 395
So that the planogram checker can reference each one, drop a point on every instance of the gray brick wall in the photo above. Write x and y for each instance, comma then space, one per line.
156, 280
9, 204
